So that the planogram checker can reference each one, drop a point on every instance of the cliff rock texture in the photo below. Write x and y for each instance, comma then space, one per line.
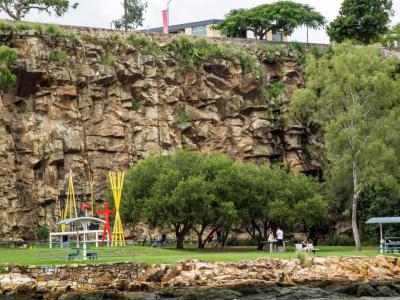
107, 106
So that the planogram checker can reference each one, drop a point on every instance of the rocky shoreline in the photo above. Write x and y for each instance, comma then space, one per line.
352, 276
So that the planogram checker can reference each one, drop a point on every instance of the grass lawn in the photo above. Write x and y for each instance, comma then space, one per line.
164, 255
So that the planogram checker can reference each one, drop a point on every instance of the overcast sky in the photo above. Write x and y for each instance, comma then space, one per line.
100, 13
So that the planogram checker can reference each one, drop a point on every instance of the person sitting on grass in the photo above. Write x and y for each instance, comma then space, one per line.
144, 237
160, 241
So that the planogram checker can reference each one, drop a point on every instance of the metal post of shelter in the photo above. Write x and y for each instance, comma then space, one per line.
381, 241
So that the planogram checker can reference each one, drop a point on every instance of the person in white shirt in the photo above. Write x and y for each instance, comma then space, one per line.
279, 238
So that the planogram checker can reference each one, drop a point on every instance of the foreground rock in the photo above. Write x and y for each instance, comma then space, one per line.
52, 282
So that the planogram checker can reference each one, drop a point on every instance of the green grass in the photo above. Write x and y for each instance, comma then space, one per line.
168, 255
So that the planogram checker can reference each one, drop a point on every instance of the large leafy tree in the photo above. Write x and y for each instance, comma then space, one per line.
189, 191
281, 16
361, 20
353, 95
133, 15
177, 192
271, 196
17, 9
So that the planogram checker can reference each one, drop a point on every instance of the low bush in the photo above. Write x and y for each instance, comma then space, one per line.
108, 59
22, 26
136, 105
4, 25
59, 56
144, 44
38, 27
273, 91
89, 38
190, 54
72, 36
42, 232
182, 116
8, 57
53, 30
305, 258
115, 38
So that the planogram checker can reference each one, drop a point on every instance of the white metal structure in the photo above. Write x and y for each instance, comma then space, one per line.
84, 222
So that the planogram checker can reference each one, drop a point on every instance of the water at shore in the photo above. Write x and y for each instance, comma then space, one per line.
248, 292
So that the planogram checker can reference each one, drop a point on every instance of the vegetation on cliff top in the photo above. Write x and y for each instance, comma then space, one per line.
282, 16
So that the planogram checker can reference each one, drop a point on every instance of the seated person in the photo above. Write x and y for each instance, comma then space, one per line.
307, 245
270, 235
160, 241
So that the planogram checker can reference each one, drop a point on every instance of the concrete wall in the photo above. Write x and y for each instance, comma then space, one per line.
213, 33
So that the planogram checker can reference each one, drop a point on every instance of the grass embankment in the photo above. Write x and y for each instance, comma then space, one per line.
165, 255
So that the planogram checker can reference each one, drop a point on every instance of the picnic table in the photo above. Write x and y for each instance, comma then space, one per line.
90, 255
272, 246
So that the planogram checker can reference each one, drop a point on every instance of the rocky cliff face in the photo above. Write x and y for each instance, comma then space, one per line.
91, 116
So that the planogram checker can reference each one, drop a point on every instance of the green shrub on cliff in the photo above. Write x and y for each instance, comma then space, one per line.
273, 91
22, 26
4, 25
144, 44
182, 116
8, 57
89, 38
53, 30
59, 56
190, 54
108, 59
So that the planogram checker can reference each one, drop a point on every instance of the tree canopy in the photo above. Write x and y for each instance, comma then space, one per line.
354, 95
362, 21
281, 16
133, 15
208, 194
17, 9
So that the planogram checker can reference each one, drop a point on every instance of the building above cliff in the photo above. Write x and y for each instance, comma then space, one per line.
204, 29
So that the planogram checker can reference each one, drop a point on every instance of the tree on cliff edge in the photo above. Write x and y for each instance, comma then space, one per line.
133, 15
361, 20
282, 16
17, 9
354, 95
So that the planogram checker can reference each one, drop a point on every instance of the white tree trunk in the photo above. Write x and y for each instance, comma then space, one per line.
354, 205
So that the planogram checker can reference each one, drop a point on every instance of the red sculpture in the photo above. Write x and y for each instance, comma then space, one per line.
107, 230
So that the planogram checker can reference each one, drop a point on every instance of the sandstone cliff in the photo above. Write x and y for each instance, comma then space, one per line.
91, 116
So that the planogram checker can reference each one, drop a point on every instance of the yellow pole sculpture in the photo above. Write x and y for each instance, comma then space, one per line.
91, 183
70, 204
117, 183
